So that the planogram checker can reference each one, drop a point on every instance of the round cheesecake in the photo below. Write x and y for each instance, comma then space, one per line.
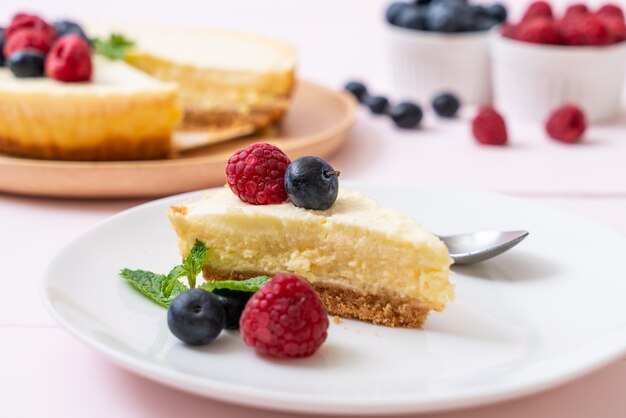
366, 262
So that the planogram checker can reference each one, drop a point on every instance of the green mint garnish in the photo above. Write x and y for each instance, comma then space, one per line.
150, 284
114, 47
249, 285
164, 288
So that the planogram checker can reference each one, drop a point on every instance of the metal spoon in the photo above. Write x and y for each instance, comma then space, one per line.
479, 246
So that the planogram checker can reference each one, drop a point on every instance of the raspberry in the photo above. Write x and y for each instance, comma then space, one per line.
539, 31
576, 10
488, 127
616, 27
285, 318
508, 30
586, 30
25, 21
256, 174
537, 9
566, 124
69, 60
611, 10
27, 39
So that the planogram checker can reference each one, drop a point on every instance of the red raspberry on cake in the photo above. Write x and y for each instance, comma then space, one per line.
256, 174
27, 39
489, 128
566, 124
285, 318
537, 9
69, 59
539, 31
25, 21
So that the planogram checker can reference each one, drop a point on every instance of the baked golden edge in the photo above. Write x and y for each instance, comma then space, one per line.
381, 308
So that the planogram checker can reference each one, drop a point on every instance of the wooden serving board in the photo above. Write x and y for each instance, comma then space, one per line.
317, 123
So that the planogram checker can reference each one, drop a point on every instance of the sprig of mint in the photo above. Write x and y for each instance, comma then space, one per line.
150, 285
114, 47
162, 288
250, 285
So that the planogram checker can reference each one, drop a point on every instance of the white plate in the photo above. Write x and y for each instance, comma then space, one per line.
549, 311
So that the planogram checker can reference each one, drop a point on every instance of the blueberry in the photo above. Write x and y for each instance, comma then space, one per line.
497, 12
233, 303
311, 183
422, 2
26, 63
1, 47
66, 27
393, 10
485, 23
444, 16
376, 104
196, 317
357, 89
412, 17
406, 115
446, 105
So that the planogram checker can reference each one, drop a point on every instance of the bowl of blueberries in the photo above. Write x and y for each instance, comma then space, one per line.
441, 45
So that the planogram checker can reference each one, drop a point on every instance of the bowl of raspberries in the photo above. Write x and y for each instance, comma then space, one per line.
547, 59
441, 45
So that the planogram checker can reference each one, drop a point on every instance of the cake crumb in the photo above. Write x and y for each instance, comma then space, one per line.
377, 334
336, 320
345, 328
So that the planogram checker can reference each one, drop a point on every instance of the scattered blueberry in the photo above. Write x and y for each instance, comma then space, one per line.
233, 303
1, 47
357, 89
393, 11
412, 17
444, 17
497, 12
446, 105
377, 104
196, 317
406, 115
26, 63
311, 183
66, 27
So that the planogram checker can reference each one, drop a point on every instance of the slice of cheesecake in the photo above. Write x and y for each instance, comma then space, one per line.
122, 114
227, 80
365, 261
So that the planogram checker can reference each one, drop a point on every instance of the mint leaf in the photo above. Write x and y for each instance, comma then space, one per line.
151, 285
172, 278
114, 47
250, 285
194, 261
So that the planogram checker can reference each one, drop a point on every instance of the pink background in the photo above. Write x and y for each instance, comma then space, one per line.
46, 372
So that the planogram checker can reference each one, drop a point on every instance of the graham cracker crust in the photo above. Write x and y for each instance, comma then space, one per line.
381, 308
257, 118
111, 149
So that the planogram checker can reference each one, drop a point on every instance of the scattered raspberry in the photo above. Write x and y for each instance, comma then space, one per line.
27, 39
285, 318
566, 124
537, 9
539, 31
489, 128
611, 10
256, 174
575, 10
25, 21
586, 30
69, 60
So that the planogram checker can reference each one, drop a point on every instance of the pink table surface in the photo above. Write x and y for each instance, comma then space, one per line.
46, 372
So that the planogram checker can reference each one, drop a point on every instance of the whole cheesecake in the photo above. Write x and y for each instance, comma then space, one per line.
121, 114
226, 80
366, 262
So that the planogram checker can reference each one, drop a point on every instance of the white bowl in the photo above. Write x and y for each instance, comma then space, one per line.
424, 64
530, 80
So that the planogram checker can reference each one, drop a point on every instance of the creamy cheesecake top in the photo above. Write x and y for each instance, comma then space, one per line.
351, 208
109, 78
